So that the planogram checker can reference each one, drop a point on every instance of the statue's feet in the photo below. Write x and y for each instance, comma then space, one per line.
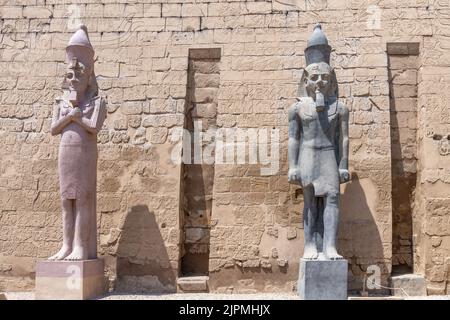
78, 253
310, 253
61, 254
331, 254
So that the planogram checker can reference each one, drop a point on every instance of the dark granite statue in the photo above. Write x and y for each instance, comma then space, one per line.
318, 149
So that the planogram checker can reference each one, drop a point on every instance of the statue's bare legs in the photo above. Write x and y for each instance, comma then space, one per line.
80, 241
68, 222
331, 221
310, 224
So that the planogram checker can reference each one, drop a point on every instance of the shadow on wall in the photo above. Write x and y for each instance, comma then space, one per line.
403, 165
359, 235
142, 262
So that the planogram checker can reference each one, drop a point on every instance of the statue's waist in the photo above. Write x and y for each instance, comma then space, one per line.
315, 147
77, 135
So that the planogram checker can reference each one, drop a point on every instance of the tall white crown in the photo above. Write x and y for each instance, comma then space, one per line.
80, 47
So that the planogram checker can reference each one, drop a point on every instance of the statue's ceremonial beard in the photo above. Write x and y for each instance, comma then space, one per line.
73, 97
320, 101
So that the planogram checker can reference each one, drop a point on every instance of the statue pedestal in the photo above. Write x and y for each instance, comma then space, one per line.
322, 280
69, 280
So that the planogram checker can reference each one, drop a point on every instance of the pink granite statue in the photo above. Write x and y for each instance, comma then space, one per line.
78, 117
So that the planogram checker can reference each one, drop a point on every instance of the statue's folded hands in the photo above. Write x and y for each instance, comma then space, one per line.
75, 114
344, 175
294, 176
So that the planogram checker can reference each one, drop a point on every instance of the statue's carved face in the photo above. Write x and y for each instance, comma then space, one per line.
318, 79
77, 76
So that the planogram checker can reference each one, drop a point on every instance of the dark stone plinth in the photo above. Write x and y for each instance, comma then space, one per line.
322, 279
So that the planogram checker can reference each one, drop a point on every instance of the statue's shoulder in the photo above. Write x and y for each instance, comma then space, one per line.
342, 108
304, 102
294, 110
100, 109
305, 106
99, 101
60, 102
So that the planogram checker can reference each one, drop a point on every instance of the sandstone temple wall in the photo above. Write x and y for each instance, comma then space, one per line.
243, 74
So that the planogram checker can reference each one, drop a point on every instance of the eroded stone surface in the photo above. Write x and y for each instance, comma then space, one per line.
408, 285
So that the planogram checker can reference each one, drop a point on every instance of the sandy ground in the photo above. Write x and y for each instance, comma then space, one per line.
214, 296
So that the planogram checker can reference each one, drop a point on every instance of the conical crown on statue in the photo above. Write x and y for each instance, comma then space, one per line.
80, 47
317, 48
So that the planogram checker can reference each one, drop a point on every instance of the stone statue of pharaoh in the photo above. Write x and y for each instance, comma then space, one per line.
318, 149
78, 117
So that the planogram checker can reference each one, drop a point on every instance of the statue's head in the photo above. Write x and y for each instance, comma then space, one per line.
80, 76
319, 79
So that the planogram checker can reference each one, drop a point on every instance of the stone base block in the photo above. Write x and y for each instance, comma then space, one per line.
322, 279
408, 285
69, 280
193, 284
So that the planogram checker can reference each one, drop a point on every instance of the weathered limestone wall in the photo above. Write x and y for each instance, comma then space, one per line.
256, 219
432, 256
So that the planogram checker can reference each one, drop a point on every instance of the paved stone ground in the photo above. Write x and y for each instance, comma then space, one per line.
204, 296
214, 296
175, 296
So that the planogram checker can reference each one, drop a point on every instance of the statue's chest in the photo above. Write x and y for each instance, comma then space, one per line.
87, 109
317, 122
